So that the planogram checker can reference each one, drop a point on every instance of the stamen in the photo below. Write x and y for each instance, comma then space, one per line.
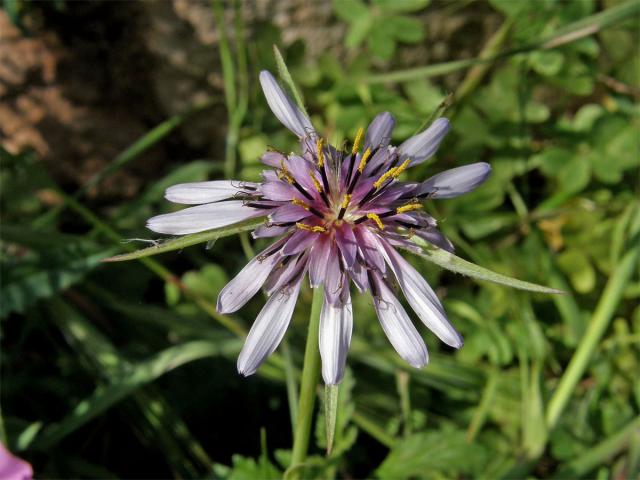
315, 181
409, 207
376, 219
284, 173
388, 174
356, 142
343, 208
300, 203
363, 160
310, 228
319, 145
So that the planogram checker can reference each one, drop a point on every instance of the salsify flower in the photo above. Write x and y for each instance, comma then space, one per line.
339, 215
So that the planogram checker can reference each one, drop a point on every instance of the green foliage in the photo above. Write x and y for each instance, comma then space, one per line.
99, 355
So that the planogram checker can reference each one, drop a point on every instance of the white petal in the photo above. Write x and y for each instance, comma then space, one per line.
203, 217
396, 324
456, 181
206, 192
422, 146
336, 325
421, 297
249, 280
283, 107
268, 329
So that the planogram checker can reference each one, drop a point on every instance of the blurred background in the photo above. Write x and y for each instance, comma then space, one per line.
127, 371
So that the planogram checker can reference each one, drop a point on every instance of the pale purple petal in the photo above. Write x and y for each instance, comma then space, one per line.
204, 217
288, 213
279, 191
422, 298
436, 238
12, 467
283, 107
379, 131
284, 273
318, 261
456, 181
299, 241
370, 249
207, 192
422, 146
334, 278
268, 329
398, 327
272, 159
249, 280
347, 244
336, 325
267, 231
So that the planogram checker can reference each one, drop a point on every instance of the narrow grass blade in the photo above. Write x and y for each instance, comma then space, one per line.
187, 241
456, 264
126, 383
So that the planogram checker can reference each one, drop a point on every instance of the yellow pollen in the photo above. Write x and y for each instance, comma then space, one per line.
315, 181
345, 202
401, 168
376, 219
319, 145
284, 173
300, 203
356, 142
408, 208
309, 228
363, 160
391, 173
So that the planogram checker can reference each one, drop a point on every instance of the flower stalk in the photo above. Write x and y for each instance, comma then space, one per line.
308, 385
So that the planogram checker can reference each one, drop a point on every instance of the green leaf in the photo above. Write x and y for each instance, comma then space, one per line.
350, 10
451, 262
423, 454
401, 5
187, 241
46, 271
406, 29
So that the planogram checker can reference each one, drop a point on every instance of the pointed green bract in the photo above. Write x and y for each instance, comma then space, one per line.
331, 413
188, 240
451, 262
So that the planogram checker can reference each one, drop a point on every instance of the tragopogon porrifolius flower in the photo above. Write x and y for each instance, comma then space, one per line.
339, 216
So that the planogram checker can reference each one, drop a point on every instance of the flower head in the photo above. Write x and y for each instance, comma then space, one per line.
339, 215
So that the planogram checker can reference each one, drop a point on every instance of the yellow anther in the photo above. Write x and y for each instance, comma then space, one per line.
356, 142
345, 201
376, 219
319, 145
391, 173
284, 173
315, 181
363, 160
408, 208
300, 203
310, 228
401, 168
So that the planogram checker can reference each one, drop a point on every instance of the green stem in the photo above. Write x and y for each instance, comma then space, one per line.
597, 326
601, 453
308, 385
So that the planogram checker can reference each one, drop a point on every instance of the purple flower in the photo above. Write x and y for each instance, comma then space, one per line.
13, 468
340, 216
